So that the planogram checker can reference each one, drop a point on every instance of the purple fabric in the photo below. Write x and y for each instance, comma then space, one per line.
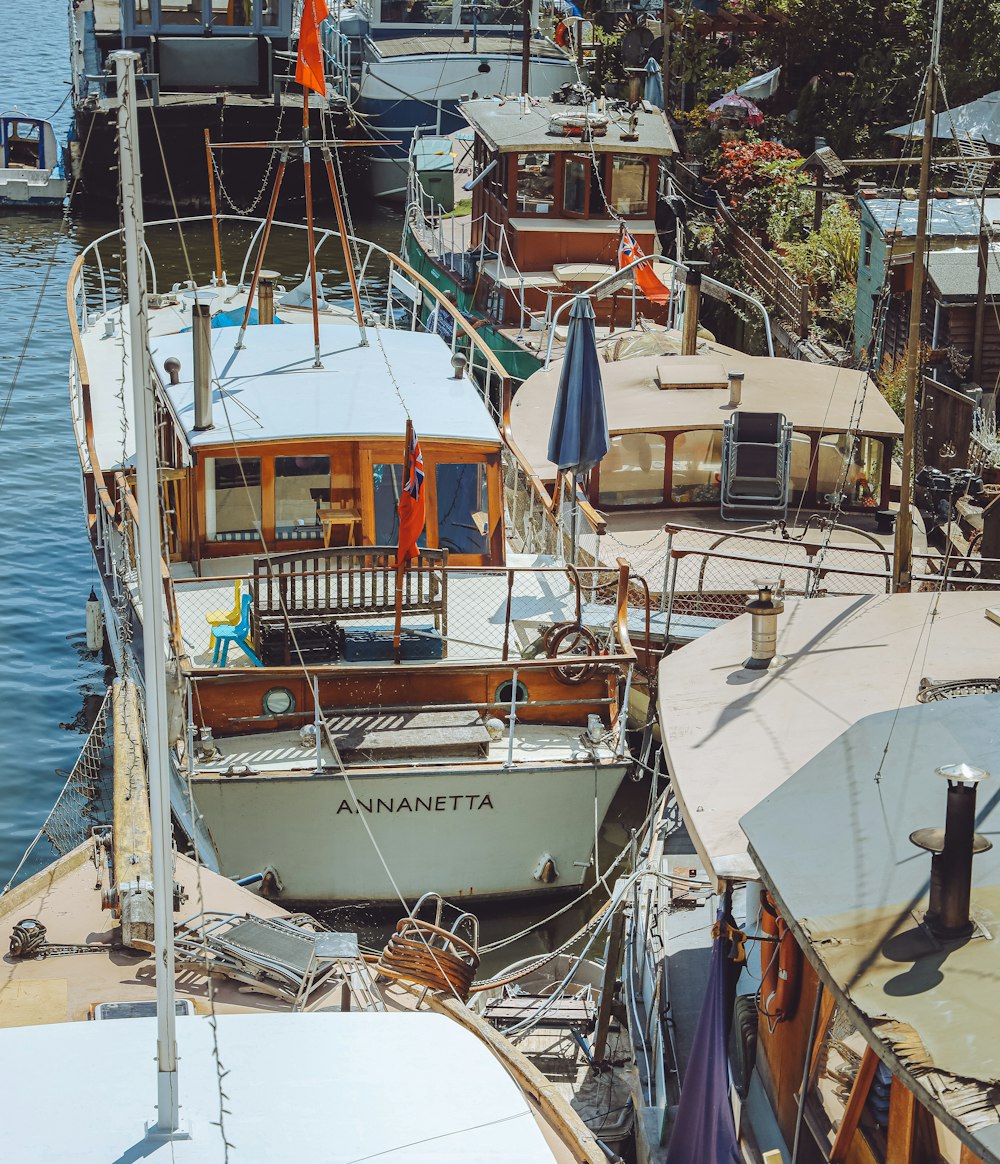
703, 1131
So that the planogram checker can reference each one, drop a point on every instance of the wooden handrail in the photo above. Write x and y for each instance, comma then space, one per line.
622, 613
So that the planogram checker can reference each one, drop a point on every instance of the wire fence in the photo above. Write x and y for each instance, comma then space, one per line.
334, 607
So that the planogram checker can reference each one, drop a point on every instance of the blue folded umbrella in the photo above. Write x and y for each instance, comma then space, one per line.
578, 438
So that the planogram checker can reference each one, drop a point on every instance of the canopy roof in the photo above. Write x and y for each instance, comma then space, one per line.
269, 390
732, 736
814, 397
979, 120
336, 1087
506, 127
934, 1007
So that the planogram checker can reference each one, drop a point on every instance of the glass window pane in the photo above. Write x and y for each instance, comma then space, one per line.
388, 484
416, 12
801, 461
697, 467
301, 486
179, 12
576, 176
632, 470
462, 508
269, 12
856, 473
235, 13
237, 498
536, 183
493, 12
629, 184
142, 12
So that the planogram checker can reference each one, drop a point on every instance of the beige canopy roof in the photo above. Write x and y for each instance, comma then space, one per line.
814, 398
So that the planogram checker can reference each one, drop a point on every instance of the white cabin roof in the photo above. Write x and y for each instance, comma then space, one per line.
269, 390
404, 1088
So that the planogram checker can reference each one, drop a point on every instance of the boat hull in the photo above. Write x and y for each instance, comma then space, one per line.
475, 832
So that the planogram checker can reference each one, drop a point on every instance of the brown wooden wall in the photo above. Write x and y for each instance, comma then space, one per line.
960, 331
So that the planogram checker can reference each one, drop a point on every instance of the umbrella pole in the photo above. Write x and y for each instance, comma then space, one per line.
573, 519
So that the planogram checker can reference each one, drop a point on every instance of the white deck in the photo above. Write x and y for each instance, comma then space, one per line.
331, 1087
732, 736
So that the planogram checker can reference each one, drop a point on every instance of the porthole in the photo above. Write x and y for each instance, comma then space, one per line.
279, 701
505, 693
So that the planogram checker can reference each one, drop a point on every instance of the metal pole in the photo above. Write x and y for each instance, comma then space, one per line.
307, 178
525, 46
902, 564
318, 721
154, 653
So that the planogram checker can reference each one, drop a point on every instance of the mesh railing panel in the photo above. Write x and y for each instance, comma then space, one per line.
86, 799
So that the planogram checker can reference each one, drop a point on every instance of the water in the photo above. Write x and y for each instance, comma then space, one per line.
46, 673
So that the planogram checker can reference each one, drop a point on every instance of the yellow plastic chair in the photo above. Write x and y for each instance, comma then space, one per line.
216, 618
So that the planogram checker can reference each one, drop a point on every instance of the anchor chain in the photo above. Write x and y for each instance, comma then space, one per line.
27, 940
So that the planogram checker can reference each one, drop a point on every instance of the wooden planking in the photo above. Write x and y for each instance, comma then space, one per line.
854, 1107
902, 1124
789, 298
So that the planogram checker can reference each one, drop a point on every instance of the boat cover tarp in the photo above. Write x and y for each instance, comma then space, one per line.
703, 1129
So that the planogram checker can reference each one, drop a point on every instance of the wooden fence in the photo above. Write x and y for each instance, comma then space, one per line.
788, 298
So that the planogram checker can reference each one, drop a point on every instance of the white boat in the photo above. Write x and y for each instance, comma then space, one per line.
480, 757
420, 59
31, 171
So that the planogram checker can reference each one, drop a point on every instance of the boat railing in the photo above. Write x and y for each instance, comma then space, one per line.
470, 616
709, 574
338, 55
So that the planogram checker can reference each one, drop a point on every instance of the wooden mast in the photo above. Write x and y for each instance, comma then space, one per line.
902, 564
525, 46
214, 208
310, 232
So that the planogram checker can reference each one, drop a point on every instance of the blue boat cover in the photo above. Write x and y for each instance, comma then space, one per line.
578, 438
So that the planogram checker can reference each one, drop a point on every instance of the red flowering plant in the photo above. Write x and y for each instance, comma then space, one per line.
762, 182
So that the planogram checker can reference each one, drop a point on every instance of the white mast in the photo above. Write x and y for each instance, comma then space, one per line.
167, 1124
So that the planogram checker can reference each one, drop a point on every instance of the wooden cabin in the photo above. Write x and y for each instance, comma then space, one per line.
543, 197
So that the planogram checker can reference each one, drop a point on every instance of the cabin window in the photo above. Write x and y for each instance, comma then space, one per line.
142, 12
536, 183
301, 487
697, 467
576, 182
800, 462
234, 13
233, 499
629, 184
415, 12
632, 470
179, 12
493, 12
852, 470
387, 481
463, 508
868, 248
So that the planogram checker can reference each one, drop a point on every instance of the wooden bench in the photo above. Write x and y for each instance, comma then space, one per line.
296, 590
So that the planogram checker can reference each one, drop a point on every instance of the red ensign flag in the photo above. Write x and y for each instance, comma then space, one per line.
309, 66
648, 283
412, 503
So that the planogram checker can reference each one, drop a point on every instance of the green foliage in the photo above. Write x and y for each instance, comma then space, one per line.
762, 181
827, 261
891, 380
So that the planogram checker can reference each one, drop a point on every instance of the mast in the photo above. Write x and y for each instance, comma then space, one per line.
167, 1124
902, 564
525, 46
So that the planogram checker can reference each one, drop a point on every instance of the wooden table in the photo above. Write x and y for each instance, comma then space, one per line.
334, 516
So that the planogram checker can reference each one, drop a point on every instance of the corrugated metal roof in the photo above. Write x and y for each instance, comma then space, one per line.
979, 120
955, 274
947, 217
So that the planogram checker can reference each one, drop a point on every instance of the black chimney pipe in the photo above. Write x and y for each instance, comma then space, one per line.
952, 849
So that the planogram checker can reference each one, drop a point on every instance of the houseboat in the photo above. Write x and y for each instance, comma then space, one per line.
856, 956
31, 168
222, 66
419, 60
357, 724
303, 1024
552, 184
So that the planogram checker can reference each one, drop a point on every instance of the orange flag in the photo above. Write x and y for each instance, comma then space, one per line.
652, 287
309, 66
412, 503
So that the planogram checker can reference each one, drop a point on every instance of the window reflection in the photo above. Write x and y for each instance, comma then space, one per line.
856, 473
576, 178
536, 183
632, 470
697, 467
463, 508
234, 498
387, 481
629, 184
415, 12
301, 486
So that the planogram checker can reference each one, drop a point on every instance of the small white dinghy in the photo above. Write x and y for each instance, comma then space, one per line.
31, 174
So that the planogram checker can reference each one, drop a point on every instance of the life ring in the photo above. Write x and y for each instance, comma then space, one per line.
569, 638
780, 966
577, 124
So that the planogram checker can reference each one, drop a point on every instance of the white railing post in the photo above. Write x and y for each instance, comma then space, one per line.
512, 721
